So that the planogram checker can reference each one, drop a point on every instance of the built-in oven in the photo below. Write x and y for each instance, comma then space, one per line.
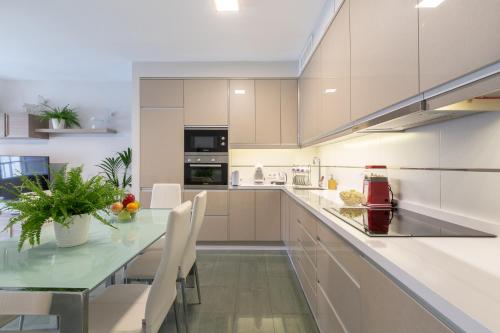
205, 171
205, 140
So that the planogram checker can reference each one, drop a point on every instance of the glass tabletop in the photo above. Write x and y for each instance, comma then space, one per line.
84, 266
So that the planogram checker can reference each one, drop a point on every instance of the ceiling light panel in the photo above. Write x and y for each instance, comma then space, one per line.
227, 5
429, 3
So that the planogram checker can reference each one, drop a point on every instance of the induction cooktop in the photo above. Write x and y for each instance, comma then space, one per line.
400, 223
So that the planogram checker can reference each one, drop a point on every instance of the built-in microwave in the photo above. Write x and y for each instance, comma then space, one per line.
205, 140
205, 171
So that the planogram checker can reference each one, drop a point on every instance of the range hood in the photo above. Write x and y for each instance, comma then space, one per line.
479, 96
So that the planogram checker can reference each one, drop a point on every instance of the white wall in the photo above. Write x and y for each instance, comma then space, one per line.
90, 98
435, 151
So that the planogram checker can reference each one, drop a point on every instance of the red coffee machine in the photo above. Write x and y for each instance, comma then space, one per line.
376, 187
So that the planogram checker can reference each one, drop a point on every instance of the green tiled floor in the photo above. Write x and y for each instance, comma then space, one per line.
247, 292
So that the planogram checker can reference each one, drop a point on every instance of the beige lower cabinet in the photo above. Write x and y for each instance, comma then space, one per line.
346, 292
242, 215
215, 225
340, 288
254, 215
328, 321
162, 146
145, 198
214, 228
268, 215
285, 218
217, 201
387, 308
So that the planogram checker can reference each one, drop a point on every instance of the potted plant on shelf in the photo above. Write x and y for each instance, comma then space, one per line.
60, 117
69, 203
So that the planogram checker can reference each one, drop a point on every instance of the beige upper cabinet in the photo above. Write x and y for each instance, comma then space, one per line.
162, 146
384, 54
289, 112
310, 97
457, 37
268, 112
268, 215
205, 102
161, 93
335, 111
242, 111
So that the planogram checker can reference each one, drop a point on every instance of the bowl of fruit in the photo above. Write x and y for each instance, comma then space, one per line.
126, 209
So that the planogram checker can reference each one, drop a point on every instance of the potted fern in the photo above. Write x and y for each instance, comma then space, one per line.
70, 203
60, 117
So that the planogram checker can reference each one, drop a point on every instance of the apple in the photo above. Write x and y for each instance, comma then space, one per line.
128, 199
117, 207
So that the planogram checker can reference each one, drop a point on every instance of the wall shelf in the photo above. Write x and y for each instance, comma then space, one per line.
76, 131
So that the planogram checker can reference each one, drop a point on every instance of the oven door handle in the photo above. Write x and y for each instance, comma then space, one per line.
205, 165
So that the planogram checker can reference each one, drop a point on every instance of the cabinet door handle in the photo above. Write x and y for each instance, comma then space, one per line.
6, 125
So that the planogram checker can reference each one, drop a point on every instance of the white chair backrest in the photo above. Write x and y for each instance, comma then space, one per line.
197, 218
166, 196
164, 286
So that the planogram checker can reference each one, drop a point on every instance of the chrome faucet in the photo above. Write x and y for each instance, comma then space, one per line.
318, 161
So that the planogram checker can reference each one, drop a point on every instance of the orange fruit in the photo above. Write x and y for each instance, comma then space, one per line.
133, 207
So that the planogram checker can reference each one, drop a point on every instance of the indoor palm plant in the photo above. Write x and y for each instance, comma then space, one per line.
70, 203
116, 168
60, 117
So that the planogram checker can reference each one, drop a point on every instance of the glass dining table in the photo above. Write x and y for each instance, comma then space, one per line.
58, 280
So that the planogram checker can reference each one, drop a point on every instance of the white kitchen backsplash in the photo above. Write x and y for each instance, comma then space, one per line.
273, 161
423, 165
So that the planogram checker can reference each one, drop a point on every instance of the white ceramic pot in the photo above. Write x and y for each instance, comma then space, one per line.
57, 123
76, 233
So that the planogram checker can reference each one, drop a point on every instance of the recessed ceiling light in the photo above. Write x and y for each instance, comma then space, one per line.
240, 92
429, 3
330, 90
227, 5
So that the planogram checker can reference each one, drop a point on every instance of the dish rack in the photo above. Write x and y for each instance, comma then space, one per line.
301, 175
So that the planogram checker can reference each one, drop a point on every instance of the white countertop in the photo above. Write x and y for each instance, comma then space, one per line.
458, 277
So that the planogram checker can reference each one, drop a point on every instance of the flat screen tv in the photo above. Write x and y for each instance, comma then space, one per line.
13, 167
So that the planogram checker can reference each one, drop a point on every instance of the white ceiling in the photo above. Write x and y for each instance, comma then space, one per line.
98, 39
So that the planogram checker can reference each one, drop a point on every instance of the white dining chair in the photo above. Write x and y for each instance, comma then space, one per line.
137, 308
15, 305
144, 268
164, 196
